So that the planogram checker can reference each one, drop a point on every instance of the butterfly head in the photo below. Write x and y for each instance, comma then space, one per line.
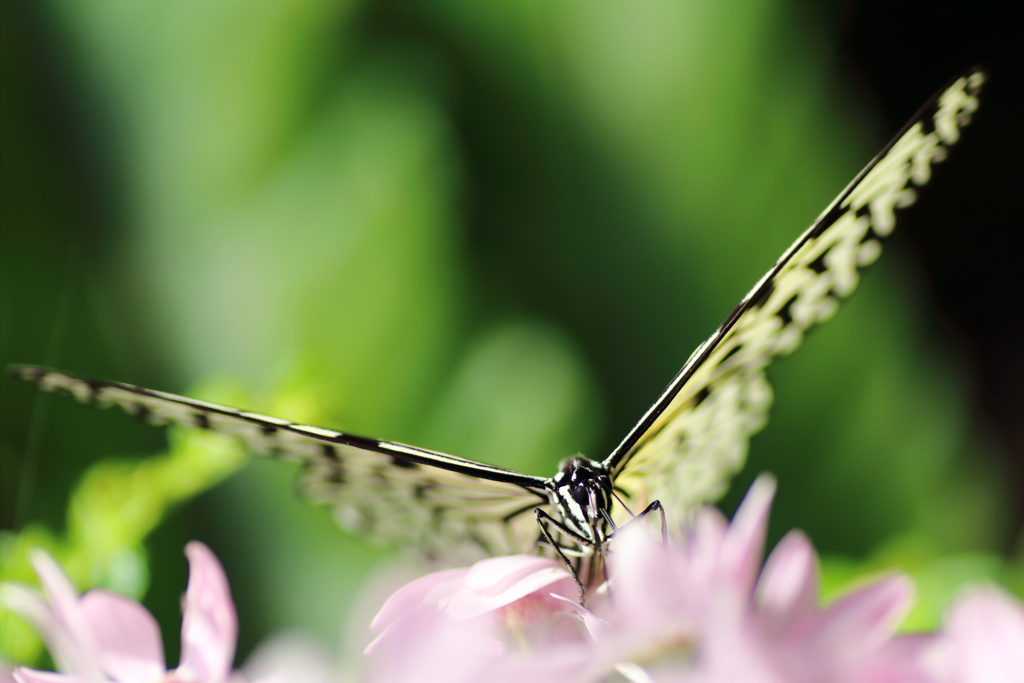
583, 494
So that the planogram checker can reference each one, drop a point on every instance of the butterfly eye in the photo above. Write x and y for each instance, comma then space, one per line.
579, 494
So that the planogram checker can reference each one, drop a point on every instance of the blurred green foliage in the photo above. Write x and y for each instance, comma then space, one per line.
495, 229
114, 508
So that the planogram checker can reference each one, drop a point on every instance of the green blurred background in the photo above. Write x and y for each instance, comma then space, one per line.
495, 229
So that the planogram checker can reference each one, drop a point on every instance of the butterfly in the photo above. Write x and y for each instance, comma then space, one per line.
682, 451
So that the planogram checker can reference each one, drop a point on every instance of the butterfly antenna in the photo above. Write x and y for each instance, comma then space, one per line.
624, 506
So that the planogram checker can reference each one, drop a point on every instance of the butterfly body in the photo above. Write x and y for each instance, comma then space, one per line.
583, 497
681, 452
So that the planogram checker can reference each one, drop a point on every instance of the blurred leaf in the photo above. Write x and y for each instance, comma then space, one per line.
112, 511
521, 398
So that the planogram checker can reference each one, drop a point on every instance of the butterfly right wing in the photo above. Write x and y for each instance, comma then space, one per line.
444, 505
694, 438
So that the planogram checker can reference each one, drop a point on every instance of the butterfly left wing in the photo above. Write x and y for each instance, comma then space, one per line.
694, 438
439, 503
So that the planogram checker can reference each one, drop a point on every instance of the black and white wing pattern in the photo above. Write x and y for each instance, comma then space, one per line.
444, 505
694, 438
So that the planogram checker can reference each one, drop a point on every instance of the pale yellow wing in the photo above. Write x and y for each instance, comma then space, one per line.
694, 438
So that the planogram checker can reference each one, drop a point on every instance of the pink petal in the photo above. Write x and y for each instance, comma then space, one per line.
62, 595
290, 657
638, 563
425, 646
499, 573
25, 675
682, 573
596, 627
500, 581
129, 647
900, 660
58, 618
209, 627
863, 620
437, 586
789, 581
744, 541
698, 566
29, 604
984, 632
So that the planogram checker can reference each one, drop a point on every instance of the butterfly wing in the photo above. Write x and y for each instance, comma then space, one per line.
381, 489
694, 438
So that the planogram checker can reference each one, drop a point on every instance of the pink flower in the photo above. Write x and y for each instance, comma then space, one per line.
705, 610
697, 609
103, 636
475, 624
982, 640
6, 675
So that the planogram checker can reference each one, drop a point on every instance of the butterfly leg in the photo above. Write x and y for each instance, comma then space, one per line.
656, 505
582, 540
543, 519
